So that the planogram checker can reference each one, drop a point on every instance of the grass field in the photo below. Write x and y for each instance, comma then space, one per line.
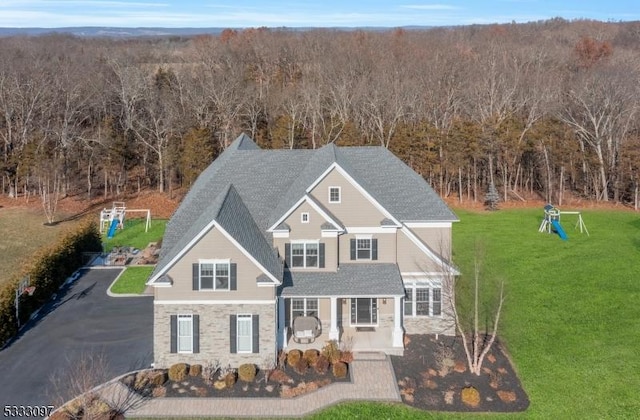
134, 235
571, 319
22, 232
132, 280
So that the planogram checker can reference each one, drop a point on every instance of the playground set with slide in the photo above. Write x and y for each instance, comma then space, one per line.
113, 218
551, 222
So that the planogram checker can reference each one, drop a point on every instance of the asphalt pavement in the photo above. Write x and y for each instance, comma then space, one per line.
80, 324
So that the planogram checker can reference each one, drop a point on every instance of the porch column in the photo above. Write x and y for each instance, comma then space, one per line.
334, 334
397, 326
282, 328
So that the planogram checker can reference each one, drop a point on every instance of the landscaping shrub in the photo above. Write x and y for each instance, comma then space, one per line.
339, 370
322, 365
195, 370
48, 269
178, 372
301, 366
346, 356
470, 396
293, 356
331, 351
247, 372
230, 379
311, 356
158, 378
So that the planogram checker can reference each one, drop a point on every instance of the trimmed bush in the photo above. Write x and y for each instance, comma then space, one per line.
311, 356
178, 372
48, 269
301, 366
331, 351
195, 370
158, 378
230, 380
247, 372
339, 370
322, 365
346, 356
293, 356
470, 396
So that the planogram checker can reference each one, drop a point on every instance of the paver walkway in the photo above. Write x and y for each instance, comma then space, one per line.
372, 379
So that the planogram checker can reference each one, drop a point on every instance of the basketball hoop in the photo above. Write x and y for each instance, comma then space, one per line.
29, 290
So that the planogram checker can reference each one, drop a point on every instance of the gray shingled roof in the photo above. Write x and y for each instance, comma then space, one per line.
267, 183
350, 280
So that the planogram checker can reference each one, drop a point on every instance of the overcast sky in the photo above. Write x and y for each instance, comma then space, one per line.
302, 13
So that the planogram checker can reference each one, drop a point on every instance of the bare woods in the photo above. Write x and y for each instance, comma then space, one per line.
547, 108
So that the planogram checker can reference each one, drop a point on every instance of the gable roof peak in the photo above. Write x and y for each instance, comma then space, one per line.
244, 142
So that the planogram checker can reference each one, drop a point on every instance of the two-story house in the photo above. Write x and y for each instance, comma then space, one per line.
348, 235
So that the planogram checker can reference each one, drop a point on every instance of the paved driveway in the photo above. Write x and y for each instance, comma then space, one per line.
82, 320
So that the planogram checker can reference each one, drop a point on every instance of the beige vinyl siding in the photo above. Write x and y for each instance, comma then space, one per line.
354, 209
386, 247
412, 259
436, 238
309, 231
214, 245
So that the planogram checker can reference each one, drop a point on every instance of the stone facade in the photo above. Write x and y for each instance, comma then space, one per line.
214, 334
429, 325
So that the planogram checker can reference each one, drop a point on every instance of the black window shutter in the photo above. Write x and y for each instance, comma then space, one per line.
196, 276
321, 258
174, 333
374, 249
233, 283
353, 249
196, 333
287, 254
256, 333
233, 334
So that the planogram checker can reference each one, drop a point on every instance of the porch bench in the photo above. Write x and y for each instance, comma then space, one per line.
306, 328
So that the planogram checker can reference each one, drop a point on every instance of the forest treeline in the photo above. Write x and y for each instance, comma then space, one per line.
545, 108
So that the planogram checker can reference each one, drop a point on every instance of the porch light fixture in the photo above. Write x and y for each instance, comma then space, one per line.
384, 301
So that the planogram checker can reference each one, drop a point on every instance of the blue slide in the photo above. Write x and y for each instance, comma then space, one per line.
559, 230
112, 228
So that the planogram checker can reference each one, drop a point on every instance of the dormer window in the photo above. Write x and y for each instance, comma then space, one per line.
334, 194
304, 217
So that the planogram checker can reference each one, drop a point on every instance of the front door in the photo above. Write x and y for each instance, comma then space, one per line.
364, 311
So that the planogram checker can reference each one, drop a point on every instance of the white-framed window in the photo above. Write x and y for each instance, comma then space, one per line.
304, 307
304, 217
244, 333
363, 248
423, 300
335, 194
185, 334
214, 275
304, 254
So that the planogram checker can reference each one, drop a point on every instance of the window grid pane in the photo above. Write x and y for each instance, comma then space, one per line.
185, 333
206, 276
334, 195
363, 247
422, 301
437, 301
408, 304
244, 339
312, 255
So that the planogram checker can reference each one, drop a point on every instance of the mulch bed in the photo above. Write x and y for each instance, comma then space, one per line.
433, 373
282, 382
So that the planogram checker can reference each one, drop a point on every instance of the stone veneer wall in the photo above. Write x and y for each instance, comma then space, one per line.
429, 325
214, 335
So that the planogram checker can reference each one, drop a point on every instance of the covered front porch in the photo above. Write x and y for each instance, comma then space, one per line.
368, 317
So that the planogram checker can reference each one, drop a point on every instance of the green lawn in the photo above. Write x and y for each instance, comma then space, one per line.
132, 280
134, 235
571, 319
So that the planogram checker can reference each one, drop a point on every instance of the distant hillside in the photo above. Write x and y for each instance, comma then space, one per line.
110, 32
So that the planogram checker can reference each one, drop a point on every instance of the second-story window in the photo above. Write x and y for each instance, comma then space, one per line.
334, 194
214, 276
304, 254
363, 248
